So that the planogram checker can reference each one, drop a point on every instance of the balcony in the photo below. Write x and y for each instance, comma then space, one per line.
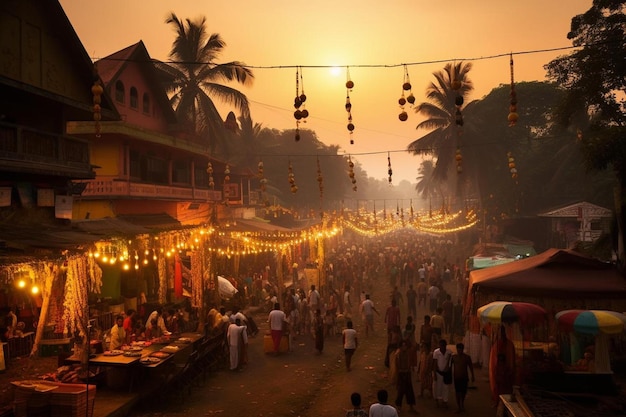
116, 188
27, 150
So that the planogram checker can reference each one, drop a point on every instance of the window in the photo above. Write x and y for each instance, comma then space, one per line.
119, 92
146, 103
181, 172
134, 99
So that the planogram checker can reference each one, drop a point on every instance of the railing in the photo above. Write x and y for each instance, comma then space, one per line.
24, 147
112, 188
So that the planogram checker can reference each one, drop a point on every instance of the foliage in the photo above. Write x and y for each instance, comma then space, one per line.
198, 81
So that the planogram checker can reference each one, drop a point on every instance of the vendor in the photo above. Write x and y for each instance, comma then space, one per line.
11, 322
118, 334
158, 315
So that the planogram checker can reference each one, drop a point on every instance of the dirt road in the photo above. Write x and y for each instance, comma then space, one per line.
301, 383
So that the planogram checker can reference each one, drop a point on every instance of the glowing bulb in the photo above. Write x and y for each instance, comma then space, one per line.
21, 283
35, 289
136, 266
126, 267
105, 259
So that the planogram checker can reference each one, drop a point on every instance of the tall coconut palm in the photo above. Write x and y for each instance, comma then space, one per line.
426, 186
198, 78
440, 112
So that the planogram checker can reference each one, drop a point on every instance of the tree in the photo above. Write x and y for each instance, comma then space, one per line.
197, 81
426, 186
594, 77
441, 115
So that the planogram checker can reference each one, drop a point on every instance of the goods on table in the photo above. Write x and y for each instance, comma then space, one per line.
115, 352
149, 360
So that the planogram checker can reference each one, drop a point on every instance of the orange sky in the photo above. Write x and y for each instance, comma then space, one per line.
347, 33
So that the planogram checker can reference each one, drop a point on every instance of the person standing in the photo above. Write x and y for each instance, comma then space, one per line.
277, 320
381, 408
237, 337
350, 343
433, 297
118, 335
347, 303
404, 383
442, 374
425, 371
356, 411
367, 311
447, 308
438, 323
318, 331
314, 299
461, 363
426, 334
422, 292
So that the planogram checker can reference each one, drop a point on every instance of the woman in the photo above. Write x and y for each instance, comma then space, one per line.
425, 371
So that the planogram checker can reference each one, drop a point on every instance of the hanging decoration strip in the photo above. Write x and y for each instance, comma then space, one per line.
292, 179
349, 87
97, 90
209, 170
226, 189
351, 173
512, 167
389, 170
513, 116
320, 179
299, 102
406, 86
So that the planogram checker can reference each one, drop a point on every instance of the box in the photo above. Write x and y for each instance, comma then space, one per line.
268, 344
52, 347
54, 399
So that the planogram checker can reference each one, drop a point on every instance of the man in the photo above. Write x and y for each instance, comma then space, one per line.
461, 362
422, 292
277, 320
392, 318
411, 301
160, 321
347, 303
426, 334
404, 383
381, 408
314, 299
237, 340
129, 322
442, 374
433, 294
118, 335
437, 322
367, 311
447, 308
350, 343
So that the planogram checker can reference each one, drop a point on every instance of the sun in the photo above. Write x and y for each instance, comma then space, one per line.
335, 71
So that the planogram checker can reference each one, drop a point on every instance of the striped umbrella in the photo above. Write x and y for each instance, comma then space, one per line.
591, 321
508, 312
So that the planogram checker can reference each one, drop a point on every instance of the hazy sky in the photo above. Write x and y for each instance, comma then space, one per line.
370, 37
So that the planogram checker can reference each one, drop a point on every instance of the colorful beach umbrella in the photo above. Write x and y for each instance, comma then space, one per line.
591, 321
508, 312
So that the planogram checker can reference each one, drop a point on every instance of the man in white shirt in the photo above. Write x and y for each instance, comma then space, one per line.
276, 320
441, 366
118, 334
237, 336
347, 303
350, 343
367, 311
314, 299
158, 315
381, 408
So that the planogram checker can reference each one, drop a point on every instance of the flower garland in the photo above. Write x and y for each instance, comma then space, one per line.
75, 301
196, 276
162, 267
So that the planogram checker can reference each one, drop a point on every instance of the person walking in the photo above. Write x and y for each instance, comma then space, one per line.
381, 408
461, 363
404, 382
356, 411
235, 336
442, 374
350, 343
367, 311
392, 318
277, 321
411, 301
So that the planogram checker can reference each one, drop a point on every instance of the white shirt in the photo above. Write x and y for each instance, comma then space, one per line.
367, 307
349, 336
346, 299
233, 334
382, 410
238, 315
160, 322
442, 358
314, 298
276, 319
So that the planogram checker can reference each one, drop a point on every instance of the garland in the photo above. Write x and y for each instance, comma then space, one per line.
75, 302
162, 267
196, 276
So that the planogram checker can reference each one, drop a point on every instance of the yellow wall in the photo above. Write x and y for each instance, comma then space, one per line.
106, 155
96, 209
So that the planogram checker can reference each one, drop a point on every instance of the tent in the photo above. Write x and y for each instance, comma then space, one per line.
556, 279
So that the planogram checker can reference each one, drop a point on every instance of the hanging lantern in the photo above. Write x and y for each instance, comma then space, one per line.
292, 179
403, 116
459, 160
349, 86
513, 116
97, 90
512, 166
209, 171
320, 179
389, 170
351, 173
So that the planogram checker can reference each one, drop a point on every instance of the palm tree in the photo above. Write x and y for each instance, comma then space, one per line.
440, 112
426, 186
197, 80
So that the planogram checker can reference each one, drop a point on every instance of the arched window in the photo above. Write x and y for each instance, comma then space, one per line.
146, 103
134, 99
120, 94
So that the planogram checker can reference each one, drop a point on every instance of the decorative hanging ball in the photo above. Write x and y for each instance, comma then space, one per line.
297, 114
351, 174
348, 106
227, 169
305, 113
402, 101
96, 89
354, 188
513, 116
511, 164
350, 84
458, 157
297, 136
97, 116
456, 85
97, 108
302, 98
209, 168
351, 141
403, 116
411, 98
297, 102
294, 189
406, 86
458, 100
458, 118
350, 127
97, 99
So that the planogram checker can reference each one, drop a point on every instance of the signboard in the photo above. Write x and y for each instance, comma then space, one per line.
63, 207
312, 277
